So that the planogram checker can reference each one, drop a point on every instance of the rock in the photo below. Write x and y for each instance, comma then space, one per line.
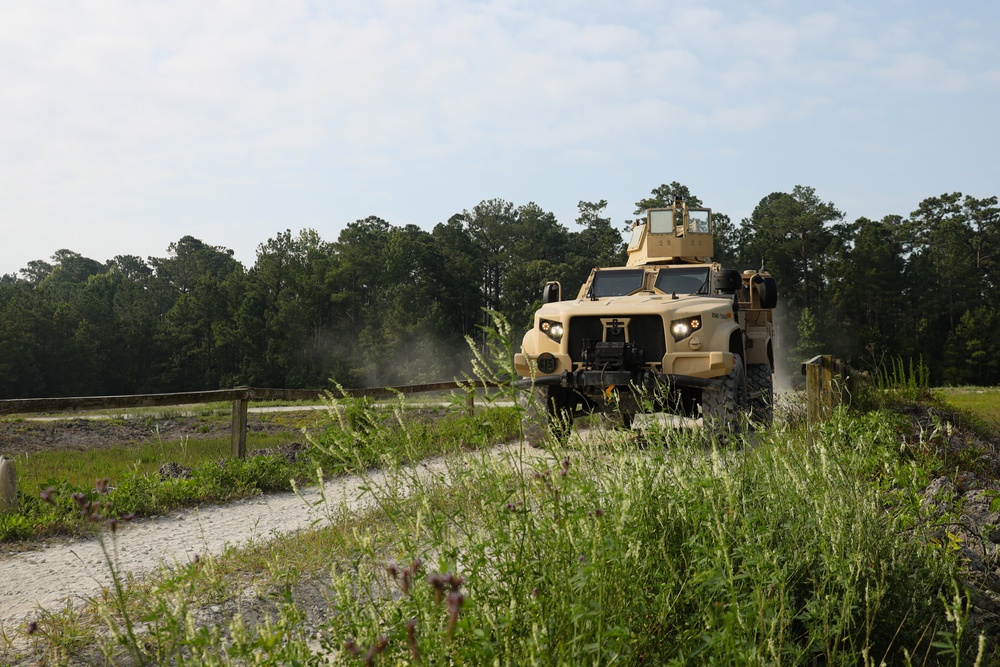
940, 494
174, 470
290, 452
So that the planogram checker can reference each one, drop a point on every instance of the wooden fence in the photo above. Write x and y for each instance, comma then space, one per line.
825, 384
240, 397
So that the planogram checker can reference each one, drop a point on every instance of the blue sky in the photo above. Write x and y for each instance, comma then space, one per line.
125, 125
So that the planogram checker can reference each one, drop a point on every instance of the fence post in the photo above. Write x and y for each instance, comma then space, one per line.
819, 388
8, 486
238, 443
822, 393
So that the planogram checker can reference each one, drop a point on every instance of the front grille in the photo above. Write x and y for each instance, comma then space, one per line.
645, 332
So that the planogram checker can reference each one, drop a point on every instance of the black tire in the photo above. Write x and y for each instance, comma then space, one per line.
546, 414
626, 420
722, 408
760, 387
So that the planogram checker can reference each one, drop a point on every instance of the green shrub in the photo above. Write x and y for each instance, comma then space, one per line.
15, 527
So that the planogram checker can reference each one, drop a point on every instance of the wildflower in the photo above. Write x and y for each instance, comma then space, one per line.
437, 582
455, 600
404, 585
411, 639
565, 467
47, 496
32, 627
352, 647
376, 649
103, 485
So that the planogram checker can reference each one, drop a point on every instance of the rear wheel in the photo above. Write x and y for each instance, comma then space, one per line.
723, 407
760, 386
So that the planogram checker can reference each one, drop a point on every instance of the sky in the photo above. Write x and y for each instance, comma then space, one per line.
126, 125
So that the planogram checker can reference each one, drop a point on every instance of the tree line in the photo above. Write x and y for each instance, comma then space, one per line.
384, 304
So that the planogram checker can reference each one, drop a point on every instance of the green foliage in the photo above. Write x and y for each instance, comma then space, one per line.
384, 304
906, 378
15, 527
808, 344
359, 436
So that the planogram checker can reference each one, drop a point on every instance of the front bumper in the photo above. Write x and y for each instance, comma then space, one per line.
684, 369
601, 380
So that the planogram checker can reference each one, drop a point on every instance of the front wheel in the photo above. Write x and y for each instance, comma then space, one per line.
547, 413
722, 407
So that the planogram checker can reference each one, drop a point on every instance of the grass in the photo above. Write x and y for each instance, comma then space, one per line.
80, 468
677, 550
981, 401
681, 553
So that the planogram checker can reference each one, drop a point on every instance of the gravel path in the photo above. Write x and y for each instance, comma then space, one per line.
49, 577
53, 575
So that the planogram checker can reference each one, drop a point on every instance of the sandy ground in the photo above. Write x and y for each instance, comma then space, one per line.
53, 575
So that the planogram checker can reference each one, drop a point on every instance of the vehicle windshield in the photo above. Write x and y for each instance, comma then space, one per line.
683, 281
616, 283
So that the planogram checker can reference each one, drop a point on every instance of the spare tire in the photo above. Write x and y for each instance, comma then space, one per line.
767, 290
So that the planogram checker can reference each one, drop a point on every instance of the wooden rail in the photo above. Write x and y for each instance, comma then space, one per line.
240, 397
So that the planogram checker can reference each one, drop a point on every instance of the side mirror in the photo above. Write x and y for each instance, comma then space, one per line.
552, 292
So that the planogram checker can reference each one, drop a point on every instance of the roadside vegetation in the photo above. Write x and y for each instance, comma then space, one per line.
208, 473
670, 547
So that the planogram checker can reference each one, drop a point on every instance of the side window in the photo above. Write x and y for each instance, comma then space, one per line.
637, 233
698, 222
661, 221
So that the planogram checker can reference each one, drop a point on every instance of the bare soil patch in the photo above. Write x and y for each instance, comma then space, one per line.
30, 436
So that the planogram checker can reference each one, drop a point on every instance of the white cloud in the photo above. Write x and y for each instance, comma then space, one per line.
917, 71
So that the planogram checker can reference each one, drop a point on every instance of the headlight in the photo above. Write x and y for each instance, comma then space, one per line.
681, 329
553, 330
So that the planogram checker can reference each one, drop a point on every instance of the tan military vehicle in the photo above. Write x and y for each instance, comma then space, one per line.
671, 331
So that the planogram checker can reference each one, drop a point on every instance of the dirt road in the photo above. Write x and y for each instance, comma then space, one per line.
50, 576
